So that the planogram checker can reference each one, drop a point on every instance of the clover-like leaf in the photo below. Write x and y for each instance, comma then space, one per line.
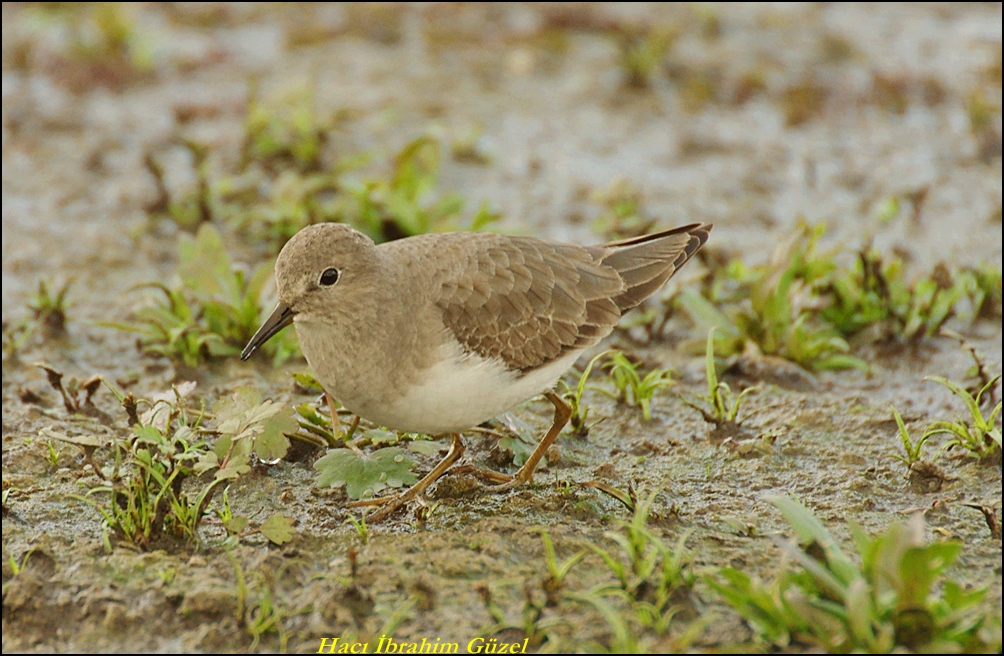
366, 475
207, 461
272, 444
278, 529
236, 525
244, 416
423, 447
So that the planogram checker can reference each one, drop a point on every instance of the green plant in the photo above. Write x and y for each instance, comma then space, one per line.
405, 204
144, 493
16, 336
724, 408
101, 45
631, 387
211, 311
912, 451
362, 531
538, 629
894, 597
365, 475
982, 285
875, 292
642, 53
17, 566
577, 422
774, 306
52, 454
623, 216
554, 583
143, 487
981, 436
48, 307
287, 203
258, 611
285, 131
650, 575
189, 209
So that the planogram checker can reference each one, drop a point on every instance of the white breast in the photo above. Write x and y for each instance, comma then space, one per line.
462, 390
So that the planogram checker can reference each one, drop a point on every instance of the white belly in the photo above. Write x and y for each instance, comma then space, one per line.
464, 390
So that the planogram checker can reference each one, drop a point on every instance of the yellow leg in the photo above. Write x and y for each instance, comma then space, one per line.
562, 412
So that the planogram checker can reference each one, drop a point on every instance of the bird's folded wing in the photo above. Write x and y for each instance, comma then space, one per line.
527, 301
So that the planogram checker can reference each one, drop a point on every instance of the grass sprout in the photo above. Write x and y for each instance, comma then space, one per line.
773, 307
980, 436
804, 304
724, 407
211, 311
163, 476
642, 53
651, 576
284, 131
630, 386
893, 596
48, 306
912, 451
406, 203
574, 397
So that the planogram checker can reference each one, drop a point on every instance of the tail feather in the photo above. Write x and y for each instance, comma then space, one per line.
646, 263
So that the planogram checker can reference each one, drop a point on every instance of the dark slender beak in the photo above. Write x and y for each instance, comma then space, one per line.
281, 317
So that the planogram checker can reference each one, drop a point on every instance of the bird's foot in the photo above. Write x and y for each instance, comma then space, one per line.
391, 504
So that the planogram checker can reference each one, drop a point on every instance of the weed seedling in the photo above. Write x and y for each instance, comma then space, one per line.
774, 306
189, 209
876, 293
362, 532
912, 451
642, 54
284, 132
981, 435
556, 573
574, 398
623, 216
406, 204
724, 409
17, 566
142, 496
650, 575
211, 312
103, 46
48, 307
894, 597
16, 336
631, 387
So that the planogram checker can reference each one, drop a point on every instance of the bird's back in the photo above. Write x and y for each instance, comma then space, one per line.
528, 301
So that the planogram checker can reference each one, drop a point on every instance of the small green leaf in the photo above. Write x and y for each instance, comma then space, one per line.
307, 382
379, 436
238, 524
272, 444
366, 475
423, 447
277, 528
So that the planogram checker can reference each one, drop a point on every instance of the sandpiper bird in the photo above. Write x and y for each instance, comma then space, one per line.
440, 332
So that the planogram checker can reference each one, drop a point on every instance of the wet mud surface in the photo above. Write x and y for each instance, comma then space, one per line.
557, 122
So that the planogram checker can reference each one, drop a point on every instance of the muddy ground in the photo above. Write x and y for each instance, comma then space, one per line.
760, 116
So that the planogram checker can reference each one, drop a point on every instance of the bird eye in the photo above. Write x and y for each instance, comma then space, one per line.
329, 277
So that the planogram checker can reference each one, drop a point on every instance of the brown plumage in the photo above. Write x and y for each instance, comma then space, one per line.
528, 301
